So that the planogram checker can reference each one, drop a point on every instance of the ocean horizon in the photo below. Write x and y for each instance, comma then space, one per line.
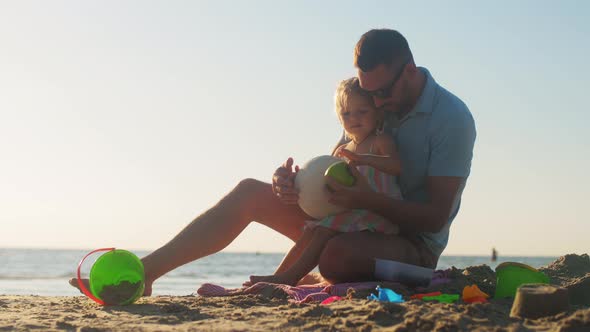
45, 272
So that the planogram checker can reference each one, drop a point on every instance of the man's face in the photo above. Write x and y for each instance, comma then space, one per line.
387, 85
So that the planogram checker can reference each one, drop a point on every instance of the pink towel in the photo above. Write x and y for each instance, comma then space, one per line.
306, 293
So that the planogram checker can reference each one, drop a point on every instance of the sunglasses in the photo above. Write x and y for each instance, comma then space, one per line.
385, 91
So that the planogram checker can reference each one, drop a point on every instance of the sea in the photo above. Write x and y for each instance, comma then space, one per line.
46, 271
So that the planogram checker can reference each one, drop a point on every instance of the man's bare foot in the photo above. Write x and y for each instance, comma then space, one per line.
147, 291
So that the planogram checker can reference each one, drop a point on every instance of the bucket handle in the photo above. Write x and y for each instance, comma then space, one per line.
81, 284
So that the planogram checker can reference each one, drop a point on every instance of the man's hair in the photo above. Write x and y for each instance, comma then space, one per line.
381, 46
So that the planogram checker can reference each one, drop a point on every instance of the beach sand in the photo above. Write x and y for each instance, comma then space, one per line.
264, 313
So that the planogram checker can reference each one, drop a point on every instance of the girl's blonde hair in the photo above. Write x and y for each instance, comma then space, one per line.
349, 89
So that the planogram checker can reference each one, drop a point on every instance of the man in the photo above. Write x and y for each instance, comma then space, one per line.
435, 134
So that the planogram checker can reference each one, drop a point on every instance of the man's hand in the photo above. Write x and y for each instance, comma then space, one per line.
349, 197
283, 183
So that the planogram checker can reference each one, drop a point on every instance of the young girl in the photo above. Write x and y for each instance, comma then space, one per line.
375, 157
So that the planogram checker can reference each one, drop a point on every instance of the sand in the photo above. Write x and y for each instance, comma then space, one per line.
261, 313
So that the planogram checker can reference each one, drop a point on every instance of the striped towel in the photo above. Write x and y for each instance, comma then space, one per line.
296, 294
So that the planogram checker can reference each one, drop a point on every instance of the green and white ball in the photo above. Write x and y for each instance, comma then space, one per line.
313, 195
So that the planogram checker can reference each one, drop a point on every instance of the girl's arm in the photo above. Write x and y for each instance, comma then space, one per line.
386, 158
338, 149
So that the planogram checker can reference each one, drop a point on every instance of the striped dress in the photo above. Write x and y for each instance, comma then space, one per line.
364, 220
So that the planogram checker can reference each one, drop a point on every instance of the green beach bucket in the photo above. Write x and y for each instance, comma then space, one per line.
511, 275
116, 278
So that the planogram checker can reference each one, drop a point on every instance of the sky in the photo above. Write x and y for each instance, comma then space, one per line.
120, 121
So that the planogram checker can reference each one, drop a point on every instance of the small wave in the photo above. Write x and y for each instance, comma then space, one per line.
34, 277
186, 275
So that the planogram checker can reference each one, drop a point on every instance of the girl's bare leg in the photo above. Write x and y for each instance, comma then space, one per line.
306, 262
290, 258
296, 251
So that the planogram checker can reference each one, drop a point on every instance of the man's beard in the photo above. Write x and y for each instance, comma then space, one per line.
401, 107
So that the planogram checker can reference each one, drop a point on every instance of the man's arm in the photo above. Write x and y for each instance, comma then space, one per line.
451, 150
413, 217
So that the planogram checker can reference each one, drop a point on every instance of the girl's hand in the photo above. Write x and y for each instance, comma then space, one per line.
338, 150
358, 159
349, 197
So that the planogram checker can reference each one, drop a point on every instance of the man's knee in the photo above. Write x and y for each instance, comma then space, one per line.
248, 189
249, 185
248, 195
341, 261
333, 258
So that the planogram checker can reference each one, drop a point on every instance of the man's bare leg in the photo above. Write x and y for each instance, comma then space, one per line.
350, 257
251, 200
219, 226
306, 261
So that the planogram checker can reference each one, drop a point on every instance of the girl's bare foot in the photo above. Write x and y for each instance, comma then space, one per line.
275, 279
312, 278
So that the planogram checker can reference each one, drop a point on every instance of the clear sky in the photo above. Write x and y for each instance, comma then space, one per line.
120, 121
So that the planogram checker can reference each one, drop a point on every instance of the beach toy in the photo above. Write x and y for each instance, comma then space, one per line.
340, 172
442, 298
332, 299
313, 194
539, 300
386, 295
510, 275
477, 299
420, 296
472, 294
116, 278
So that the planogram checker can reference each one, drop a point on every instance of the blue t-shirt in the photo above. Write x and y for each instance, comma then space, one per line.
435, 138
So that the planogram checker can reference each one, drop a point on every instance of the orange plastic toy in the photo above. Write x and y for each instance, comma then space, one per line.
472, 294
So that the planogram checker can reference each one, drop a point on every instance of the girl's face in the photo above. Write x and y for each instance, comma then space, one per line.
359, 118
